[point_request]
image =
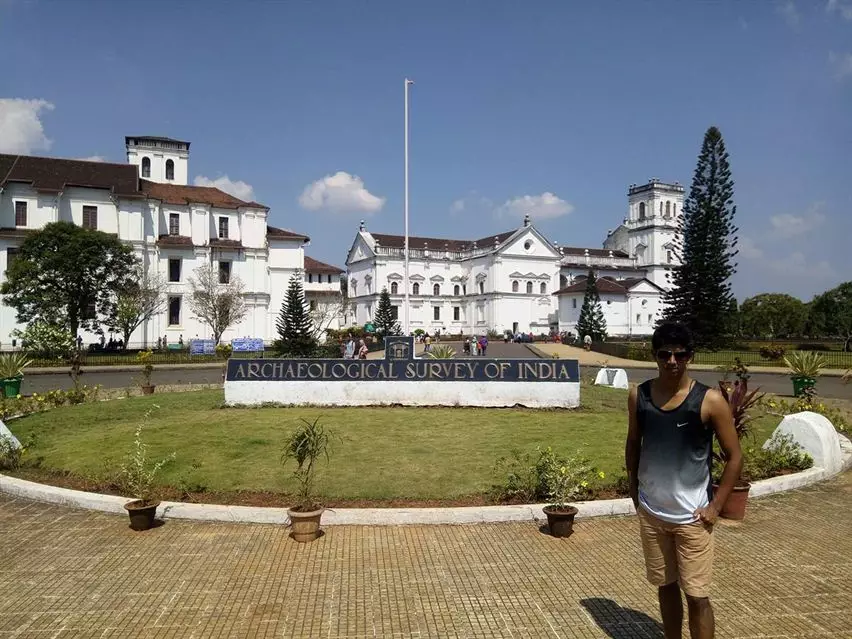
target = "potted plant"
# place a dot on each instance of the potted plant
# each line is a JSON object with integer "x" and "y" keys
{"x": 137, "y": 475}
{"x": 741, "y": 401}
{"x": 306, "y": 445}
{"x": 804, "y": 367}
{"x": 12, "y": 367}
{"x": 565, "y": 480}
{"x": 145, "y": 359}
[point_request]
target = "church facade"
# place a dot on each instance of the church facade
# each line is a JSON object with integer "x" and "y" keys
{"x": 520, "y": 280}
{"x": 173, "y": 228}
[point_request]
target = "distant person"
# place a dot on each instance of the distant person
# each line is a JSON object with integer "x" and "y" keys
{"x": 466, "y": 346}
{"x": 349, "y": 350}
{"x": 483, "y": 345}
{"x": 587, "y": 342}
{"x": 362, "y": 350}
{"x": 669, "y": 452}
{"x": 428, "y": 341}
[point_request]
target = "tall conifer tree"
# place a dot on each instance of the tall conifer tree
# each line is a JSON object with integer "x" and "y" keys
{"x": 592, "y": 321}
{"x": 294, "y": 324}
{"x": 384, "y": 321}
{"x": 706, "y": 243}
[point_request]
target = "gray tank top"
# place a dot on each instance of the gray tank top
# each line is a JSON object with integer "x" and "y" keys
{"x": 675, "y": 457}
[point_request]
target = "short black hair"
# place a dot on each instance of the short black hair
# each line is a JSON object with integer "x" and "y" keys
{"x": 672, "y": 333}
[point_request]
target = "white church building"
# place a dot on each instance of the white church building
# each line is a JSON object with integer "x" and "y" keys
{"x": 520, "y": 280}
{"x": 172, "y": 227}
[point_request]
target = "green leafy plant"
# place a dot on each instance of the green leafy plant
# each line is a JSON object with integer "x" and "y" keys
{"x": 441, "y": 351}
{"x": 137, "y": 472}
{"x": 805, "y": 363}
{"x": 145, "y": 359}
{"x": 567, "y": 479}
{"x": 12, "y": 365}
{"x": 772, "y": 352}
{"x": 11, "y": 455}
{"x": 224, "y": 351}
{"x": 741, "y": 402}
{"x": 305, "y": 446}
{"x": 43, "y": 339}
{"x": 779, "y": 456}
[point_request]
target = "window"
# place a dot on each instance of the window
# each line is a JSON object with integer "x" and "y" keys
{"x": 514, "y": 286}
{"x": 574, "y": 303}
{"x": 527, "y": 245}
{"x": 481, "y": 288}
{"x": 310, "y": 278}
{"x": 146, "y": 167}
{"x": 313, "y": 305}
{"x": 669, "y": 256}
{"x": 464, "y": 289}
{"x": 543, "y": 288}
{"x": 456, "y": 289}
{"x": 674, "y": 209}
{"x": 529, "y": 287}
{"x": 415, "y": 290}
{"x": 224, "y": 272}
{"x": 394, "y": 288}
{"x": 641, "y": 210}
{"x": 20, "y": 213}
{"x": 174, "y": 311}
{"x": 638, "y": 318}
{"x": 661, "y": 207}
{"x": 395, "y": 312}
{"x": 90, "y": 217}
{"x": 650, "y": 318}
{"x": 436, "y": 312}
{"x": 170, "y": 170}
{"x": 174, "y": 223}
{"x": 223, "y": 228}
{"x": 436, "y": 290}
{"x": 174, "y": 269}
{"x": 668, "y": 209}
{"x": 11, "y": 256}
{"x": 456, "y": 313}
{"x": 329, "y": 278}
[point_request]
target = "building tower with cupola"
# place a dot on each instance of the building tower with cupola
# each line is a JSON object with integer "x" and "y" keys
{"x": 163, "y": 160}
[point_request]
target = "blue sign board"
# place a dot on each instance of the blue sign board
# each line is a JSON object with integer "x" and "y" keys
{"x": 400, "y": 364}
{"x": 202, "y": 347}
{"x": 247, "y": 344}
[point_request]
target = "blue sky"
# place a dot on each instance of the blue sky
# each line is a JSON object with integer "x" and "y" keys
{"x": 551, "y": 107}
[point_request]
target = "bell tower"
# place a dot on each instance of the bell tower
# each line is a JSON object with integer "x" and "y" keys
{"x": 159, "y": 159}
{"x": 654, "y": 210}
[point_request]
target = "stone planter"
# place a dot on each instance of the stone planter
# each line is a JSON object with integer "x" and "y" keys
{"x": 305, "y": 525}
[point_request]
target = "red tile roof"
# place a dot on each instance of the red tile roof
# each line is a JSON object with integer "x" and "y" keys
{"x": 183, "y": 195}
{"x": 217, "y": 242}
{"x": 55, "y": 174}
{"x": 274, "y": 232}
{"x": 315, "y": 266}
{"x": 437, "y": 244}
{"x": 605, "y": 285}
{"x": 573, "y": 250}
{"x": 174, "y": 240}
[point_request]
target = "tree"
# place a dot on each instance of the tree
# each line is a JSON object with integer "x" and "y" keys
{"x": 46, "y": 340}
{"x": 773, "y": 315}
{"x": 218, "y": 305}
{"x": 142, "y": 299}
{"x": 831, "y": 314}
{"x": 323, "y": 312}
{"x": 700, "y": 296}
{"x": 384, "y": 321}
{"x": 592, "y": 321}
{"x": 66, "y": 275}
{"x": 295, "y": 334}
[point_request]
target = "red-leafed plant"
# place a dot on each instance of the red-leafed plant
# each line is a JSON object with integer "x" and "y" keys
{"x": 741, "y": 401}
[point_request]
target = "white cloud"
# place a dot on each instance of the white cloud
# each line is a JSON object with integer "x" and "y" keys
{"x": 786, "y": 225}
{"x": 472, "y": 203}
{"x": 340, "y": 193}
{"x": 842, "y": 9}
{"x": 748, "y": 249}
{"x": 21, "y": 129}
{"x": 540, "y": 207}
{"x": 94, "y": 158}
{"x": 237, "y": 188}
{"x": 842, "y": 63}
{"x": 789, "y": 12}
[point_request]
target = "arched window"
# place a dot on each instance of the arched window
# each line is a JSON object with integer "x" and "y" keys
{"x": 668, "y": 209}
{"x": 481, "y": 288}
{"x": 529, "y": 287}
{"x": 661, "y": 207}
{"x": 146, "y": 167}
{"x": 394, "y": 288}
{"x": 436, "y": 289}
{"x": 456, "y": 289}
{"x": 514, "y": 286}
{"x": 170, "y": 169}
{"x": 641, "y": 210}
{"x": 415, "y": 290}
{"x": 563, "y": 281}
{"x": 674, "y": 209}
{"x": 543, "y": 288}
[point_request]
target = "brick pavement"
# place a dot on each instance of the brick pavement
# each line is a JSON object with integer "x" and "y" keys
{"x": 786, "y": 572}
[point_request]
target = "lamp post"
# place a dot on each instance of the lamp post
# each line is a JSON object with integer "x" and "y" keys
{"x": 407, "y": 316}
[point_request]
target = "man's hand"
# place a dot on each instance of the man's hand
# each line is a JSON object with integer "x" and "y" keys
{"x": 708, "y": 514}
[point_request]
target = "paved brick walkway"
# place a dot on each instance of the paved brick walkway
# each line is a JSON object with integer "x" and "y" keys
{"x": 787, "y": 572}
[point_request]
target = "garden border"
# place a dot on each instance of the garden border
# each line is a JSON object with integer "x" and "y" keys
{"x": 381, "y": 516}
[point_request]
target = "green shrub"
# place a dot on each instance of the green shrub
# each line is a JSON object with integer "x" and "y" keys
{"x": 781, "y": 455}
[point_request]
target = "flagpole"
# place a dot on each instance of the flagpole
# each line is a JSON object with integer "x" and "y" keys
{"x": 407, "y": 316}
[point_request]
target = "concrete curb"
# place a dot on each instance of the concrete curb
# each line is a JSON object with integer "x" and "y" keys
{"x": 381, "y": 516}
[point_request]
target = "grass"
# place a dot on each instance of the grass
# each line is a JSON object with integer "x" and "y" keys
{"x": 380, "y": 453}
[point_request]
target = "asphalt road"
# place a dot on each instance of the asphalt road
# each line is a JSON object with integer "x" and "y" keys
{"x": 772, "y": 383}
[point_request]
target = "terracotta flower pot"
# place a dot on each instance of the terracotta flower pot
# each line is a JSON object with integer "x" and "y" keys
{"x": 305, "y": 525}
{"x": 735, "y": 506}
{"x": 148, "y": 389}
{"x": 560, "y": 522}
{"x": 141, "y": 513}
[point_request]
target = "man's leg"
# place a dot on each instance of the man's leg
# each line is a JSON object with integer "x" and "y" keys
{"x": 671, "y": 610}
{"x": 702, "y": 624}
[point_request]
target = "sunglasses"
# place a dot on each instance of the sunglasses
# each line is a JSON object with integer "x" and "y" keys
{"x": 680, "y": 356}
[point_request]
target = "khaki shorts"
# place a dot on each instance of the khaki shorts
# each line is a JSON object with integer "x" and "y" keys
{"x": 680, "y": 553}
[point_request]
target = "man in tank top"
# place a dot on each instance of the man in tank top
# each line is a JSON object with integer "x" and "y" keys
{"x": 673, "y": 419}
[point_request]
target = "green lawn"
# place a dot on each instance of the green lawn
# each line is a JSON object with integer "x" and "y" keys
{"x": 381, "y": 453}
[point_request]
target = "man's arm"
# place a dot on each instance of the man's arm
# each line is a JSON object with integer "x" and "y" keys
{"x": 723, "y": 424}
{"x": 632, "y": 448}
